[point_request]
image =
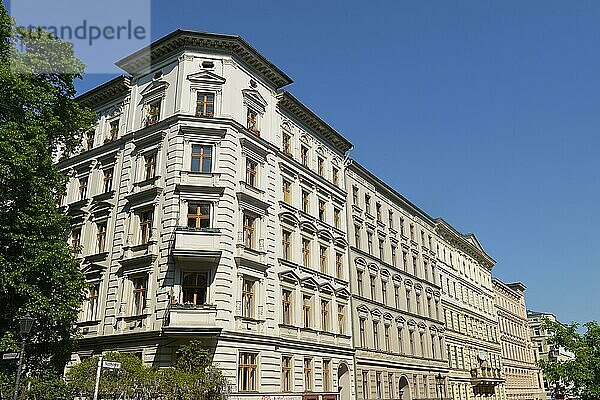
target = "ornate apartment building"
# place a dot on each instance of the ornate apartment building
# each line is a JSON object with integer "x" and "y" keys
{"x": 519, "y": 357}
{"x": 208, "y": 203}
{"x": 397, "y": 317}
{"x": 472, "y": 337}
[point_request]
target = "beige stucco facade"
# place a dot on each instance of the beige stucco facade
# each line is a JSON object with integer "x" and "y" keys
{"x": 523, "y": 377}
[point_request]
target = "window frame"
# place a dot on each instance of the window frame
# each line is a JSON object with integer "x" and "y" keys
{"x": 202, "y": 156}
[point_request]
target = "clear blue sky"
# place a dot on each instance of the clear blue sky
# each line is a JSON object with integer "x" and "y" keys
{"x": 484, "y": 113}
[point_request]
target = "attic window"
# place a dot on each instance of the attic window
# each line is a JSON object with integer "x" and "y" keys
{"x": 208, "y": 64}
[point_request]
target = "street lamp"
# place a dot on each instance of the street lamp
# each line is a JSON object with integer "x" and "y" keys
{"x": 439, "y": 383}
{"x": 25, "y": 324}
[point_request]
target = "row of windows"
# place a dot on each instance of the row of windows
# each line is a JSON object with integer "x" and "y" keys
{"x": 410, "y": 265}
{"x": 307, "y": 160}
{"x": 520, "y": 330}
{"x": 326, "y": 213}
{"x": 373, "y": 386}
{"x": 289, "y": 240}
{"x": 398, "y": 339}
{"x": 459, "y": 291}
{"x": 470, "y": 326}
{"x": 465, "y": 357}
{"x": 290, "y": 311}
{"x": 137, "y": 298}
{"x": 409, "y": 300}
{"x": 513, "y": 351}
{"x": 249, "y": 366}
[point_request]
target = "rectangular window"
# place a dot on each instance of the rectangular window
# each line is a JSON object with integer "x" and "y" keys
{"x": 397, "y": 296}
{"x": 306, "y": 310}
{"x": 391, "y": 385}
{"x": 323, "y": 250}
{"x": 361, "y": 327}
{"x": 412, "y": 232}
{"x": 140, "y": 286}
{"x": 365, "y": 384}
{"x": 91, "y": 307}
{"x": 286, "y": 244}
{"x": 401, "y": 226}
{"x": 336, "y": 176}
{"x": 252, "y": 121}
{"x": 198, "y": 215}
{"x": 201, "y": 158}
{"x": 286, "y": 305}
{"x": 304, "y": 155}
{"x": 287, "y": 146}
{"x": 381, "y": 250}
{"x": 287, "y": 191}
{"x": 150, "y": 165}
{"x": 391, "y": 219}
{"x": 308, "y": 375}
{"x": 339, "y": 265}
{"x": 108, "y": 180}
{"x": 373, "y": 288}
{"x": 194, "y": 288}
{"x": 101, "y": 237}
{"x": 89, "y": 139}
{"x": 341, "y": 319}
{"x": 76, "y": 240}
{"x": 249, "y": 231}
{"x": 83, "y": 184}
{"x": 376, "y": 335}
{"x": 322, "y": 210}
{"x": 306, "y": 252}
{"x": 367, "y": 204}
{"x": 359, "y": 282}
{"x": 354, "y": 195}
{"x": 383, "y": 291}
{"x": 113, "y": 130}
{"x": 394, "y": 255}
{"x": 324, "y": 315}
{"x": 400, "y": 341}
{"x": 388, "y": 345}
{"x": 320, "y": 166}
{"x": 251, "y": 172}
{"x": 357, "y": 236}
{"x": 248, "y": 299}
{"x": 378, "y": 211}
{"x": 378, "y": 384}
{"x": 305, "y": 201}
{"x": 327, "y": 375}
{"x": 146, "y": 226}
{"x": 411, "y": 338}
{"x": 286, "y": 374}
{"x": 405, "y": 261}
{"x": 205, "y": 105}
{"x": 153, "y": 113}
{"x": 337, "y": 218}
{"x": 408, "y": 307}
{"x": 247, "y": 373}
{"x": 370, "y": 242}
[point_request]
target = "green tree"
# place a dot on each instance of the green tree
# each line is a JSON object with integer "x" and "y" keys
{"x": 38, "y": 117}
{"x": 581, "y": 375}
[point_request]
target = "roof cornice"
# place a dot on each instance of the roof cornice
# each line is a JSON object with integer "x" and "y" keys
{"x": 461, "y": 240}
{"x": 186, "y": 39}
{"x": 292, "y": 105}
{"x": 107, "y": 91}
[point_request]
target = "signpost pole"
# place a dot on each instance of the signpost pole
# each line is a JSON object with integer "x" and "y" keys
{"x": 98, "y": 378}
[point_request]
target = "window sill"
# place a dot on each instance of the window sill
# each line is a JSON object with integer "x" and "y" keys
{"x": 199, "y": 230}
{"x": 199, "y": 307}
{"x": 148, "y": 181}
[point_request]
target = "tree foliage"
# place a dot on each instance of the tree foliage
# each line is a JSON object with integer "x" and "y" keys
{"x": 193, "y": 378}
{"x": 581, "y": 375}
{"x": 38, "y": 272}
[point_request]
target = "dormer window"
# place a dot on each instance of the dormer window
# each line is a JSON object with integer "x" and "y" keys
{"x": 205, "y": 105}
{"x": 153, "y": 113}
{"x": 252, "y": 121}
{"x": 113, "y": 132}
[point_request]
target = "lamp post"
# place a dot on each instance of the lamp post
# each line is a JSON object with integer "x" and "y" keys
{"x": 439, "y": 383}
{"x": 25, "y": 324}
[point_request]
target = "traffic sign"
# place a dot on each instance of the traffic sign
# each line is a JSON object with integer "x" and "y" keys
{"x": 10, "y": 356}
{"x": 111, "y": 364}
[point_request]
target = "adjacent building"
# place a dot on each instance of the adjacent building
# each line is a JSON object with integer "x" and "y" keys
{"x": 397, "y": 317}
{"x": 472, "y": 337}
{"x": 210, "y": 203}
{"x": 545, "y": 350}
{"x": 519, "y": 358}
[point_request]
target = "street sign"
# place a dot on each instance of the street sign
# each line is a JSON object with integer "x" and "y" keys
{"x": 111, "y": 364}
{"x": 10, "y": 356}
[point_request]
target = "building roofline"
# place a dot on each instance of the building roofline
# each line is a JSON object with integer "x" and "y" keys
{"x": 182, "y": 38}
{"x": 463, "y": 239}
{"x": 288, "y": 102}
{"x": 393, "y": 192}
{"x": 105, "y": 92}
{"x": 517, "y": 288}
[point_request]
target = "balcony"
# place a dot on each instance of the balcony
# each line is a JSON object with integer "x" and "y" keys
{"x": 191, "y": 318}
{"x": 486, "y": 377}
{"x": 200, "y": 244}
